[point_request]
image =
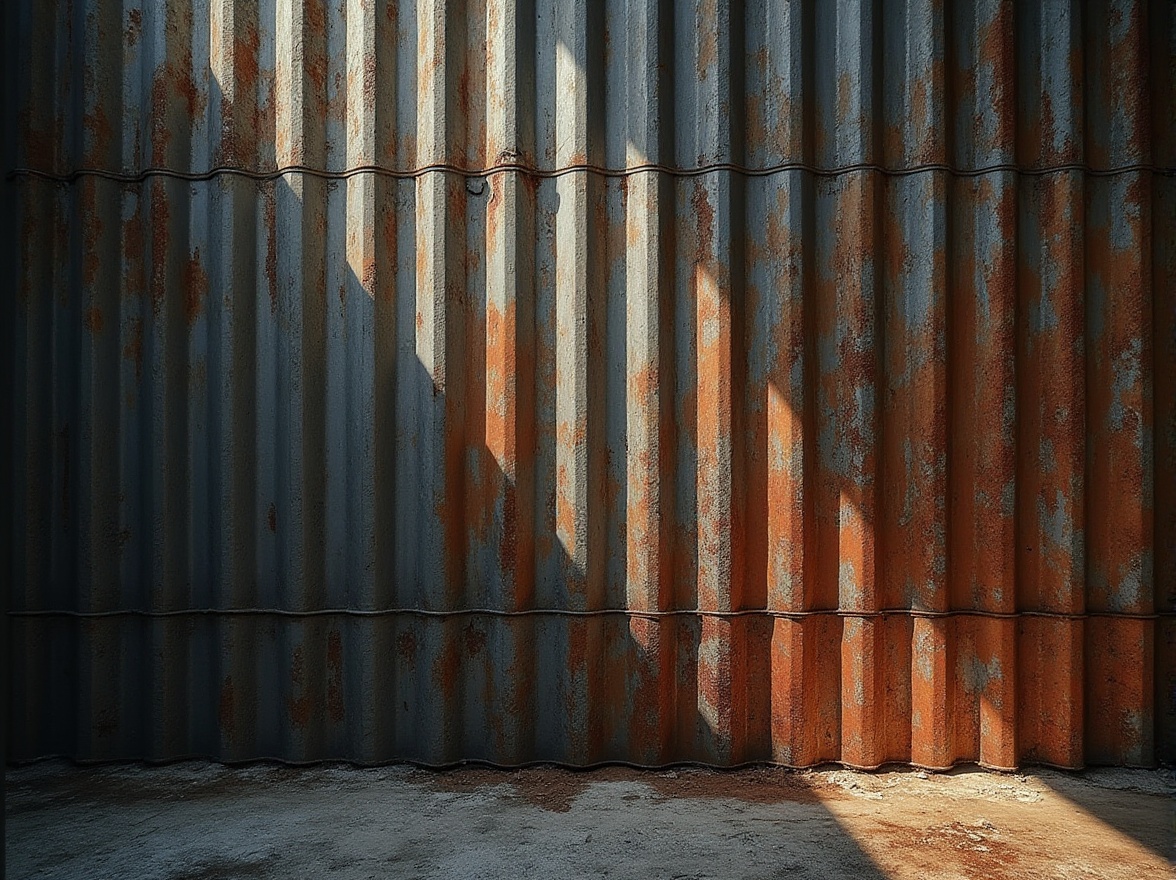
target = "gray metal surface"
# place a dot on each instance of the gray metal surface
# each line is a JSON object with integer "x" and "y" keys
{"x": 828, "y": 349}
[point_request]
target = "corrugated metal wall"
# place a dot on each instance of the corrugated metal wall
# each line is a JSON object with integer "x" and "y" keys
{"x": 577, "y": 381}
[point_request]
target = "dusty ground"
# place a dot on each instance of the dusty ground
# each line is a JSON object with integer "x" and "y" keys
{"x": 198, "y": 820}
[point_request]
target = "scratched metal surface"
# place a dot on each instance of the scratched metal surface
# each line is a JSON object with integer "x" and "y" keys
{"x": 630, "y": 380}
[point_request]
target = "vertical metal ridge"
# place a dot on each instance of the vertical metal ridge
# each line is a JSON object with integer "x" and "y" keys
{"x": 650, "y": 486}
{"x": 1115, "y": 72}
{"x": 302, "y": 52}
{"x": 1119, "y": 418}
{"x": 95, "y": 428}
{"x": 439, "y": 572}
{"x": 500, "y": 514}
{"x": 1162, "y": 48}
{"x": 848, "y": 336}
{"x": 1051, "y": 401}
{"x": 983, "y": 391}
{"x": 1050, "y": 66}
{"x": 579, "y": 351}
{"x": 981, "y": 344}
{"x": 714, "y": 255}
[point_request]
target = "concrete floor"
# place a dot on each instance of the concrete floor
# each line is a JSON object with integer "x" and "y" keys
{"x": 197, "y": 820}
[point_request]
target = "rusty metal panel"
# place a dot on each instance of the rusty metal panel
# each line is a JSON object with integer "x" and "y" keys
{"x": 576, "y": 381}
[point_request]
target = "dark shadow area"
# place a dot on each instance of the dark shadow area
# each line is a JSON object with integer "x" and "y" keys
{"x": 1139, "y": 804}
{"x": 196, "y": 820}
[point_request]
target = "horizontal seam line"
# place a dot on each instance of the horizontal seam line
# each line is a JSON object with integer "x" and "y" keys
{"x": 565, "y": 612}
{"x": 467, "y": 763}
{"x": 140, "y": 176}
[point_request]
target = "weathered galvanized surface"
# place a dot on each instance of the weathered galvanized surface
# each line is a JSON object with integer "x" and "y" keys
{"x": 560, "y": 380}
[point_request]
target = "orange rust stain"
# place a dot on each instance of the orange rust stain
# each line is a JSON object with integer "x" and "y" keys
{"x": 98, "y": 126}
{"x": 172, "y": 82}
{"x": 422, "y": 261}
{"x": 1050, "y": 690}
{"x": 704, "y": 213}
{"x": 241, "y": 114}
{"x": 500, "y": 368}
{"x": 195, "y": 288}
{"x": 708, "y": 46}
{"x": 1052, "y": 408}
{"x": 494, "y": 209}
{"x": 632, "y": 226}
{"x": 369, "y": 80}
{"x": 160, "y": 221}
{"x": 194, "y": 98}
{"x": 565, "y": 510}
{"x": 368, "y": 276}
{"x": 1118, "y": 408}
{"x": 227, "y": 711}
{"x": 93, "y": 319}
{"x": 844, "y": 93}
{"x": 778, "y": 132}
{"x": 912, "y": 523}
{"x": 777, "y": 486}
{"x": 926, "y": 137}
{"x": 1117, "y": 729}
{"x": 315, "y": 59}
{"x": 982, "y": 553}
{"x": 471, "y": 95}
{"x": 245, "y": 48}
{"x": 577, "y": 665}
{"x": 997, "y": 49}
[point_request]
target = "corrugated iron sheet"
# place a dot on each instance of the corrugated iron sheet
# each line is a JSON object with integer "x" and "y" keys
{"x": 579, "y": 381}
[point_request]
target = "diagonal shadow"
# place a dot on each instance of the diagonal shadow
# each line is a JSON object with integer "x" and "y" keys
{"x": 511, "y": 690}
{"x": 1139, "y": 805}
